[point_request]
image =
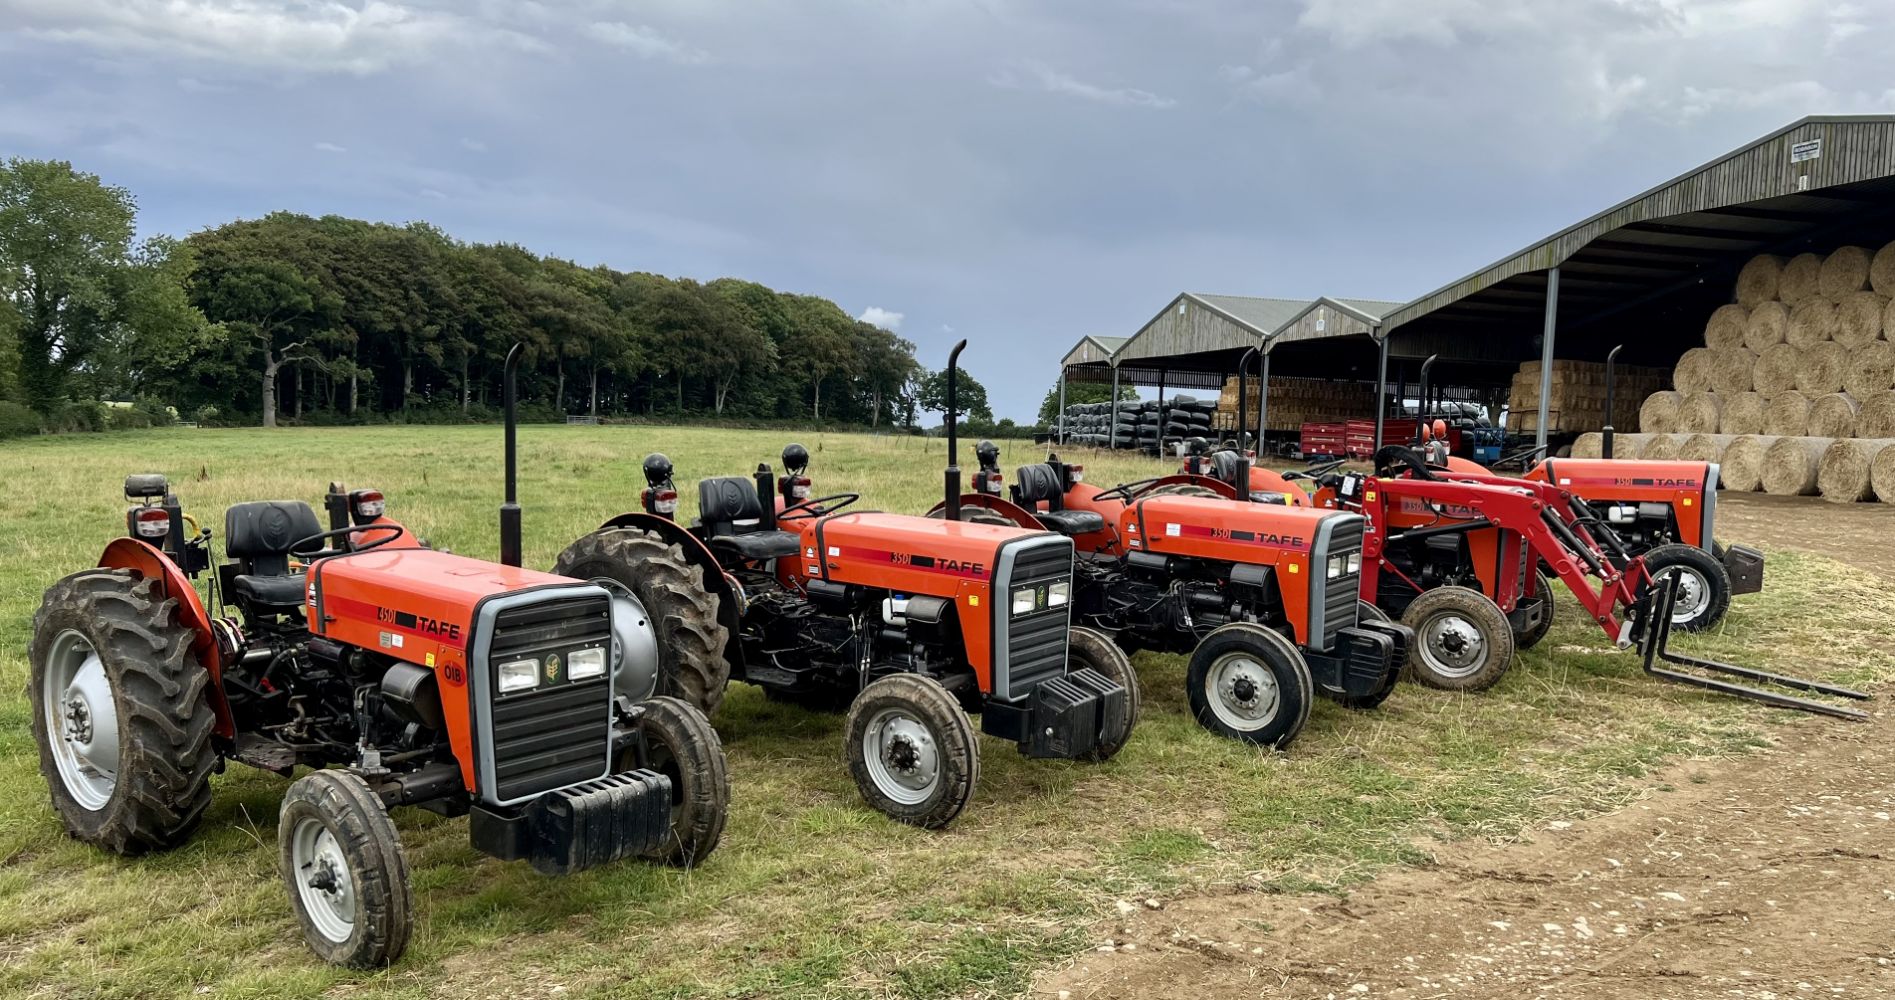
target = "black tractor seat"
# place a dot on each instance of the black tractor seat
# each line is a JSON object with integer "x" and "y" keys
{"x": 732, "y": 518}
{"x": 259, "y": 536}
{"x": 1036, "y": 484}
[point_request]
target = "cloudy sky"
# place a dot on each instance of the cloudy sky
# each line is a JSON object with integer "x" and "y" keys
{"x": 1020, "y": 173}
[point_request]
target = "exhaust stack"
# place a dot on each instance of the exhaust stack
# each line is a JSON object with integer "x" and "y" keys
{"x": 953, "y": 510}
{"x": 510, "y": 510}
{"x": 1421, "y": 419}
{"x": 1605, "y": 439}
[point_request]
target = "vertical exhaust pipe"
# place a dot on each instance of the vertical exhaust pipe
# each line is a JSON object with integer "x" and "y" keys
{"x": 1421, "y": 419}
{"x": 1605, "y": 437}
{"x": 953, "y": 498}
{"x": 510, "y": 510}
{"x": 1243, "y": 403}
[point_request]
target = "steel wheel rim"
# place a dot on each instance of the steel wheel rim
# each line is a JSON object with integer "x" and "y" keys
{"x": 82, "y": 720}
{"x": 324, "y": 883}
{"x": 903, "y": 756}
{"x": 1694, "y": 594}
{"x": 1242, "y": 691}
{"x": 1452, "y": 645}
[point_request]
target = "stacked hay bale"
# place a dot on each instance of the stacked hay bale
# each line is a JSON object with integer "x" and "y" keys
{"x": 1794, "y": 389}
{"x": 1296, "y": 401}
{"x": 1577, "y": 402}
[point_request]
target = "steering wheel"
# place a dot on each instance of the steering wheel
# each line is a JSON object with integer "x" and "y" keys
{"x": 805, "y": 507}
{"x": 394, "y": 531}
{"x": 1124, "y": 491}
{"x": 1314, "y": 472}
{"x": 1400, "y": 455}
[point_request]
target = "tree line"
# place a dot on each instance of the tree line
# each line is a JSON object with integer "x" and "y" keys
{"x": 290, "y": 318}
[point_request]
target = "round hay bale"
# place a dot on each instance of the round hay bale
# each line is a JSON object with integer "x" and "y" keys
{"x": 1742, "y": 468}
{"x": 1660, "y": 447}
{"x": 1875, "y": 415}
{"x": 1882, "y": 475}
{"x": 1882, "y": 271}
{"x": 1659, "y": 414}
{"x": 1693, "y": 373}
{"x": 1869, "y": 369}
{"x": 1790, "y": 465}
{"x": 1832, "y": 415}
{"x": 1813, "y": 321}
{"x": 1859, "y": 318}
{"x": 1787, "y": 415}
{"x": 1705, "y": 447}
{"x": 1768, "y": 324}
{"x": 1799, "y": 279}
{"x": 1757, "y": 282}
{"x": 1819, "y": 368}
{"x": 1700, "y": 412}
{"x": 1731, "y": 370}
{"x": 1775, "y": 373}
{"x": 1845, "y": 474}
{"x": 1726, "y": 326}
{"x": 1743, "y": 414}
{"x": 1591, "y": 443}
{"x": 1845, "y": 271}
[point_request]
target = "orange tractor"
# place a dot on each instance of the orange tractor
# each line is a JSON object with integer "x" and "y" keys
{"x": 908, "y": 621}
{"x": 402, "y": 675}
{"x": 1262, "y": 596}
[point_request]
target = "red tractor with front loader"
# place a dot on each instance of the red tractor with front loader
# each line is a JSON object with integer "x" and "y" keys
{"x": 908, "y": 621}
{"x": 401, "y": 675}
{"x": 1435, "y": 531}
{"x": 1262, "y": 596}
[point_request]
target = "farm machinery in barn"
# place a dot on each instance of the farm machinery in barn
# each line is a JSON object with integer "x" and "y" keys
{"x": 1262, "y": 596}
{"x": 401, "y": 674}
{"x": 908, "y": 621}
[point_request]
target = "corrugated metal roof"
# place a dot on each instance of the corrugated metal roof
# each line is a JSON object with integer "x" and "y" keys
{"x": 1749, "y": 200}
{"x": 1093, "y": 351}
{"x": 1262, "y": 316}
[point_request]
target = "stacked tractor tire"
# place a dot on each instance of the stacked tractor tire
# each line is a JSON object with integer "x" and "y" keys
{"x": 1140, "y": 424}
{"x": 1793, "y": 391}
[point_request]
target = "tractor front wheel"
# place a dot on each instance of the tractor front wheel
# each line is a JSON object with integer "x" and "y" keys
{"x": 681, "y": 745}
{"x": 1704, "y": 585}
{"x": 348, "y": 879}
{"x": 121, "y": 712}
{"x": 1248, "y": 683}
{"x": 912, "y": 750}
{"x": 1462, "y": 640}
{"x": 1091, "y": 648}
{"x": 683, "y": 608}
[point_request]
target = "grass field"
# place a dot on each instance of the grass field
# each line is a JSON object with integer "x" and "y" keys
{"x": 812, "y": 894}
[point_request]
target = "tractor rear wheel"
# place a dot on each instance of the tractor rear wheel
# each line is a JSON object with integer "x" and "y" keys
{"x": 121, "y": 712}
{"x": 348, "y": 878}
{"x": 1248, "y": 683}
{"x": 1529, "y": 638}
{"x": 1704, "y": 585}
{"x": 1462, "y": 640}
{"x": 1091, "y": 648}
{"x": 977, "y": 515}
{"x": 912, "y": 751}
{"x": 691, "y": 641}
{"x": 681, "y": 745}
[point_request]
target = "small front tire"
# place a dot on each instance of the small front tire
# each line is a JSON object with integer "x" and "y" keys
{"x": 681, "y": 745}
{"x": 342, "y": 862}
{"x": 1704, "y": 585}
{"x": 912, "y": 751}
{"x": 1246, "y": 682}
{"x": 1463, "y": 642}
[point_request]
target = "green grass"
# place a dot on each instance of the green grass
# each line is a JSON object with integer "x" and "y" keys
{"x": 812, "y": 894}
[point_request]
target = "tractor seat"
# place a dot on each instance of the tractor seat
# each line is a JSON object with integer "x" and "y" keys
{"x": 732, "y": 517}
{"x": 1036, "y": 483}
{"x": 260, "y": 535}
{"x": 1224, "y": 467}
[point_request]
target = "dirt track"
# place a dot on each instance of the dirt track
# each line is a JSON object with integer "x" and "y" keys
{"x": 1768, "y": 876}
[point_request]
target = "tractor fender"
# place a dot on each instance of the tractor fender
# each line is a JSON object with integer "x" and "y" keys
{"x": 1005, "y": 508}
{"x": 147, "y": 561}
{"x": 1212, "y": 483}
{"x": 1264, "y": 480}
{"x": 729, "y": 613}
{"x": 1458, "y": 464}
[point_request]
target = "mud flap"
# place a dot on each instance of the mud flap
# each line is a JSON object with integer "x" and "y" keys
{"x": 1745, "y": 566}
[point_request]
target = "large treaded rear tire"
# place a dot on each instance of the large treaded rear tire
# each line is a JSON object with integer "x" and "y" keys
{"x": 691, "y": 641}
{"x": 359, "y": 834}
{"x": 162, "y": 699}
{"x": 684, "y": 748}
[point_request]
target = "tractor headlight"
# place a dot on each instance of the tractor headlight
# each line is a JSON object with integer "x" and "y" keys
{"x": 1059, "y": 593}
{"x": 1355, "y": 564}
{"x": 585, "y": 664}
{"x": 1023, "y": 601}
{"x": 1336, "y": 564}
{"x": 519, "y": 675}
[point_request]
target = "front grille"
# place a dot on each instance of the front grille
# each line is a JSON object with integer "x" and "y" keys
{"x": 1338, "y": 606}
{"x": 1031, "y": 647}
{"x": 559, "y": 732}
